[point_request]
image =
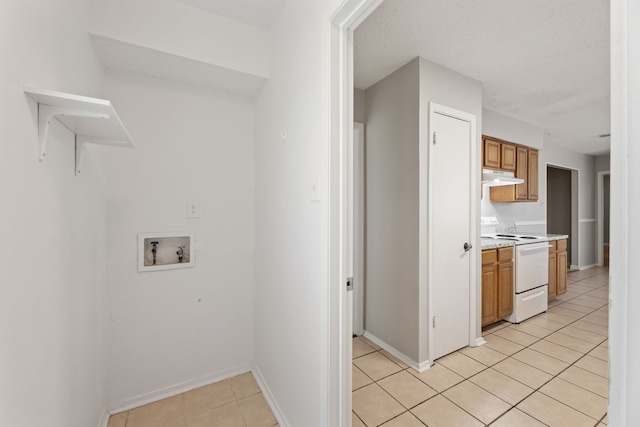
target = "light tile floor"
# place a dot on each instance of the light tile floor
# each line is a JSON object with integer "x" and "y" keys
{"x": 550, "y": 370}
{"x": 236, "y": 402}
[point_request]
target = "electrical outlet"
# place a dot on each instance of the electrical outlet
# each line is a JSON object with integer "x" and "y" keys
{"x": 193, "y": 209}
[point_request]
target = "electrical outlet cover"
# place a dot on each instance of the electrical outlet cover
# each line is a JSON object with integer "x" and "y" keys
{"x": 193, "y": 209}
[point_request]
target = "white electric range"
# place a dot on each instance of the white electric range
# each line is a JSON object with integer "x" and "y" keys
{"x": 531, "y": 271}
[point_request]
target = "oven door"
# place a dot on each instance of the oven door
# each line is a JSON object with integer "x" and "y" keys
{"x": 532, "y": 266}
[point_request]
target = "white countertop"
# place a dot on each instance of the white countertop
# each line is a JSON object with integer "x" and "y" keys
{"x": 501, "y": 243}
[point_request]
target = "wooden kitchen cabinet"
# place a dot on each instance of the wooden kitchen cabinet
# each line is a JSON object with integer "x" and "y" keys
{"x": 497, "y": 284}
{"x": 527, "y": 169}
{"x": 532, "y": 175}
{"x": 522, "y": 171}
{"x": 489, "y": 294}
{"x": 508, "y": 156}
{"x": 553, "y": 263}
{"x": 557, "y": 268}
{"x": 498, "y": 154}
{"x": 491, "y": 153}
{"x": 561, "y": 270}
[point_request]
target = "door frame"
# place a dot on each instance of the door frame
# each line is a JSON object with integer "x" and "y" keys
{"x": 428, "y": 245}
{"x": 342, "y": 23}
{"x": 575, "y": 209}
{"x": 600, "y": 214}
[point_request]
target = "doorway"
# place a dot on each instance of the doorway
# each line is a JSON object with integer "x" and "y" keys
{"x": 603, "y": 198}
{"x": 346, "y": 19}
{"x": 559, "y": 209}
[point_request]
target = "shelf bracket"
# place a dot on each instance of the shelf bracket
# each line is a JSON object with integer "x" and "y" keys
{"x": 47, "y": 112}
{"x": 80, "y": 143}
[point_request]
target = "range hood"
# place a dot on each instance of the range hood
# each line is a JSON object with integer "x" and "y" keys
{"x": 494, "y": 178}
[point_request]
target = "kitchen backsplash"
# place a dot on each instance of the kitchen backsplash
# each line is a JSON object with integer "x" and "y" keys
{"x": 513, "y": 217}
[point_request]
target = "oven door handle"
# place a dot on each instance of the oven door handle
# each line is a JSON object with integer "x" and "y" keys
{"x": 534, "y": 249}
{"x": 532, "y": 296}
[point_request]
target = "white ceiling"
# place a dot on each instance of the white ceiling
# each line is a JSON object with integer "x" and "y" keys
{"x": 258, "y": 13}
{"x": 545, "y": 61}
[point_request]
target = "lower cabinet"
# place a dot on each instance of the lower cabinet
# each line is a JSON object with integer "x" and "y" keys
{"x": 557, "y": 268}
{"x": 497, "y": 284}
{"x": 561, "y": 270}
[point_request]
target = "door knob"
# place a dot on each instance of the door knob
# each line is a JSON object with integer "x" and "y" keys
{"x": 467, "y": 247}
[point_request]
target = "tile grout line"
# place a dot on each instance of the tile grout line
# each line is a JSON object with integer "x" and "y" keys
{"x": 486, "y": 367}
{"x": 538, "y": 389}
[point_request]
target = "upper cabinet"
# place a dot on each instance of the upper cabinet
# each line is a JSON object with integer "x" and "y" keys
{"x": 498, "y": 154}
{"x": 532, "y": 177}
{"x": 521, "y": 160}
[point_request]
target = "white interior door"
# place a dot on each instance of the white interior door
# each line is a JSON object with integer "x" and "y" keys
{"x": 450, "y": 216}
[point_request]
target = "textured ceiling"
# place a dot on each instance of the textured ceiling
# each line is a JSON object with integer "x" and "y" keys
{"x": 545, "y": 61}
{"x": 258, "y": 13}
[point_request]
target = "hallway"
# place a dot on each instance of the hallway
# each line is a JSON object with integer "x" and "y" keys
{"x": 548, "y": 370}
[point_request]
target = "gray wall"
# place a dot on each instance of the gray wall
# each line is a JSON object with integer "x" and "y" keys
{"x": 504, "y": 127}
{"x": 391, "y": 267}
{"x": 603, "y": 163}
{"x": 605, "y": 217}
{"x": 359, "y": 107}
{"x": 397, "y": 110}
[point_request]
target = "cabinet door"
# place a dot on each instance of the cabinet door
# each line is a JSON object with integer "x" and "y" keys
{"x": 489, "y": 297}
{"x": 553, "y": 271}
{"x": 508, "y": 157}
{"x": 491, "y": 154}
{"x": 532, "y": 180}
{"x": 561, "y": 275}
{"x": 522, "y": 165}
{"x": 505, "y": 289}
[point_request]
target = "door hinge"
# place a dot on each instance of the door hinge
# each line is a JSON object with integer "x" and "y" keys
{"x": 349, "y": 284}
{"x": 434, "y": 321}
{"x": 434, "y": 138}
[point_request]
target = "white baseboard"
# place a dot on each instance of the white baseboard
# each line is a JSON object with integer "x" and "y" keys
{"x": 422, "y": 366}
{"x": 586, "y": 267}
{"x": 573, "y": 267}
{"x": 163, "y": 393}
{"x": 266, "y": 392}
{"x": 104, "y": 419}
{"x": 480, "y": 341}
{"x": 418, "y": 366}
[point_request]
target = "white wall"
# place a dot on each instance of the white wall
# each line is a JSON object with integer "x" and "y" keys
{"x": 179, "y": 29}
{"x": 53, "y": 227}
{"x": 178, "y": 328}
{"x": 291, "y": 278}
{"x": 624, "y": 340}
